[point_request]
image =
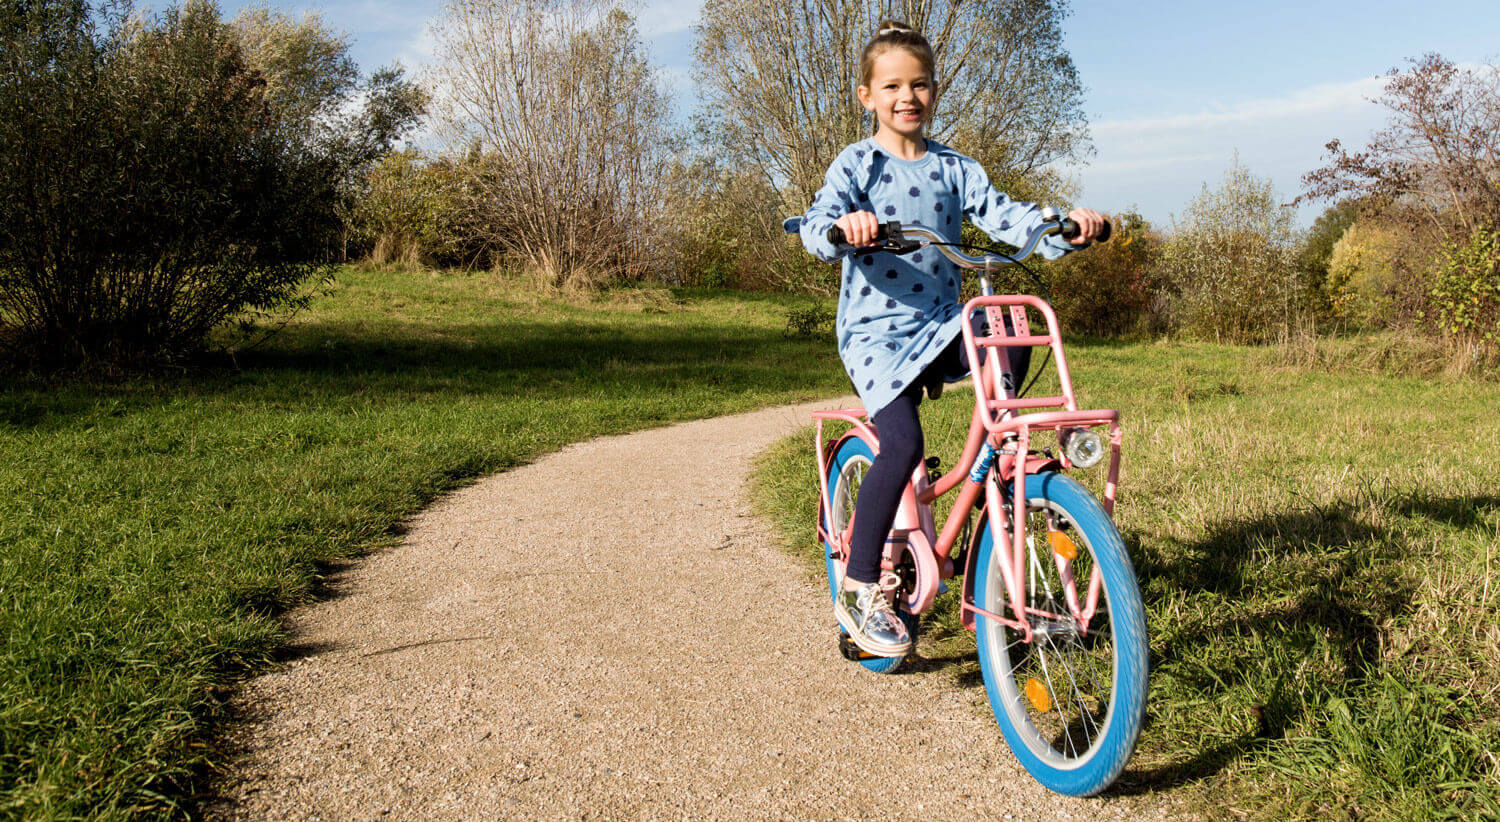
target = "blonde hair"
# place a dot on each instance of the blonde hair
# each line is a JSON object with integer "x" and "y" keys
{"x": 893, "y": 34}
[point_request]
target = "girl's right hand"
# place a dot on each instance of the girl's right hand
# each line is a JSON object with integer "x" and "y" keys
{"x": 860, "y": 228}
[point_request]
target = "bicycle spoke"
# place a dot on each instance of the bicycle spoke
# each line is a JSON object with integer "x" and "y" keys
{"x": 1074, "y": 662}
{"x": 1056, "y": 703}
{"x": 1084, "y": 713}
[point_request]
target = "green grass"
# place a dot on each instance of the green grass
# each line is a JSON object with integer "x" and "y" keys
{"x": 1317, "y": 549}
{"x": 151, "y": 530}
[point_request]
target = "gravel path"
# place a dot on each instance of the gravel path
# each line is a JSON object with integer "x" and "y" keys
{"x": 609, "y": 633}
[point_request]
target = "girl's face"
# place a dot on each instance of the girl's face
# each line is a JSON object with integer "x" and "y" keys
{"x": 900, "y": 93}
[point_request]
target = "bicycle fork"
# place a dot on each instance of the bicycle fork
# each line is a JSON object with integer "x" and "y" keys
{"x": 989, "y": 469}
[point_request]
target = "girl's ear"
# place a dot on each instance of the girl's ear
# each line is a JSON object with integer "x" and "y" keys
{"x": 864, "y": 98}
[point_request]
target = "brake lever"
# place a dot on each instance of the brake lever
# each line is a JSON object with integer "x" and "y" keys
{"x": 896, "y": 242}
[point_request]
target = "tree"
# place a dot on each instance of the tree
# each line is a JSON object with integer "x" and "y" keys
{"x": 307, "y": 69}
{"x": 1364, "y": 271}
{"x": 149, "y": 190}
{"x": 310, "y": 79}
{"x": 561, "y": 95}
{"x": 777, "y": 81}
{"x": 1439, "y": 152}
{"x": 1317, "y": 249}
{"x": 1229, "y": 265}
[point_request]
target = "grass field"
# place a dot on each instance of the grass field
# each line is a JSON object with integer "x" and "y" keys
{"x": 1318, "y": 554}
{"x": 151, "y": 530}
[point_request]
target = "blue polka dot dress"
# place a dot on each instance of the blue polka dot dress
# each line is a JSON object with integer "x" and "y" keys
{"x": 897, "y": 313}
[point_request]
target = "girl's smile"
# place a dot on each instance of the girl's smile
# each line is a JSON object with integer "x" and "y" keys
{"x": 900, "y": 95}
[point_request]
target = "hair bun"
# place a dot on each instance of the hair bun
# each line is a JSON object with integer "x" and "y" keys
{"x": 889, "y": 27}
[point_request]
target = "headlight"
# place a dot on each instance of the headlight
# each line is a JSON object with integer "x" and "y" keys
{"x": 1083, "y": 447}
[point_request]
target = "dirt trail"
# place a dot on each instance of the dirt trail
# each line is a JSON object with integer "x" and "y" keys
{"x": 609, "y": 633}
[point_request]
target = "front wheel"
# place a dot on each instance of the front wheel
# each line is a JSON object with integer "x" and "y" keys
{"x": 1071, "y": 701}
{"x": 846, "y": 472}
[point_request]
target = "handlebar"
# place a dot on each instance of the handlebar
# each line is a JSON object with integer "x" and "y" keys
{"x": 904, "y": 239}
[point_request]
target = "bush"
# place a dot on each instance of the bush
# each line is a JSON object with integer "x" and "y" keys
{"x": 726, "y": 232}
{"x": 1108, "y": 291}
{"x": 1315, "y": 253}
{"x": 1465, "y": 296}
{"x": 810, "y": 321}
{"x": 145, "y": 194}
{"x": 419, "y": 212}
{"x": 154, "y": 183}
{"x": 1229, "y": 270}
{"x": 1363, "y": 273}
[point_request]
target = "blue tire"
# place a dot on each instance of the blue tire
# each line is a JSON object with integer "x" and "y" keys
{"x": 845, "y": 471}
{"x": 1071, "y": 702}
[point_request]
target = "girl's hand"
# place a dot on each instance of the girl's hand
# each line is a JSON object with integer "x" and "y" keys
{"x": 860, "y": 228}
{"x": 1090, "y": 223}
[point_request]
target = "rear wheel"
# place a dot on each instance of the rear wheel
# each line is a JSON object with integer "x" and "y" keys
{"x": 1071, "y": 701}
{"x": 846, "y": 471}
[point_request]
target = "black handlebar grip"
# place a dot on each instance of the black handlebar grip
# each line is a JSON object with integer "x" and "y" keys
{"x": 1070, "y": 230}
{"x": 882, "y": 233}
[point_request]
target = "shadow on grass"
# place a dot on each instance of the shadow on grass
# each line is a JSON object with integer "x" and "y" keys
{"x": 324, "y": 364}
{"x": 1288, "y": 606}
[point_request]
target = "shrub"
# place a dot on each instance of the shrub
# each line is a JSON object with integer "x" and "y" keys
{"x": 1363, "y": 273}
{"x": 1466, "y": 292}
{"x": 726, "y": 232}
{"x": 1229, "y": 269}
{"x": 417, "y": 212}
{"x": 152, "y": 185}
{"x": 1108, "y": 290}
{"x": 144, "y": 195}
{"x": 810, "y": 321}
{"x": 1316, "y": 251}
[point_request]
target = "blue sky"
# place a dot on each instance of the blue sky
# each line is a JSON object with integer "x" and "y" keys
{"x": 1174, "y": 89}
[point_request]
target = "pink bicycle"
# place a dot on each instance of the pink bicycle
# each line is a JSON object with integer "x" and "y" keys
{"x": 1048, "y": 586}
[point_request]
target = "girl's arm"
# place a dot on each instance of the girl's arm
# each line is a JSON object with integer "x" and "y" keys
{"x": 834, "y": 200}
{"x": 1005, "y": 220}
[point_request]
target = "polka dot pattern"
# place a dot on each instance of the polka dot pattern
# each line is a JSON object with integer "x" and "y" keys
{"x": 898, "y": 312}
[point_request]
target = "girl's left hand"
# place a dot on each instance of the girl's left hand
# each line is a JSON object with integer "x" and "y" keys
{"x": 1090, "y": 223}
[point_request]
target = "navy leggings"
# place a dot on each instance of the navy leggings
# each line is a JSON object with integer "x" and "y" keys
{"x": 901, "y": 449}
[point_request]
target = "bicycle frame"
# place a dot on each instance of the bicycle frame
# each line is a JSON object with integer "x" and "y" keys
{"x": 997, "y": 450}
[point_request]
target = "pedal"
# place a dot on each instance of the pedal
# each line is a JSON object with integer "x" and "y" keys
{"x": 933, "y": 474}
{"x": 850, "y": 651}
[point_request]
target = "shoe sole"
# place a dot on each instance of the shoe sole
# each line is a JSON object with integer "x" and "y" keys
{"x": 846, "y": 620}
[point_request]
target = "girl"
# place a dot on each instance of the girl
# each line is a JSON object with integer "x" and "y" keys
{"x": 898, "y": 319}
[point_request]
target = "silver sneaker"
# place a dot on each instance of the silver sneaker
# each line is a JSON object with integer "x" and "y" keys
{"x": 865, "y": 613}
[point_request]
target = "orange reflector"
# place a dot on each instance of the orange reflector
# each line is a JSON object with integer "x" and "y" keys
{"x": 1062, "y": 545}
{"x": 1037, "y": 693}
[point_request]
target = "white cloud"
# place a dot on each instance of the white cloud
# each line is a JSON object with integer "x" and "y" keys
{"x": 417, "y": 52}
{"x": 1160, "y": 163}
{"x": 659, "y": 17}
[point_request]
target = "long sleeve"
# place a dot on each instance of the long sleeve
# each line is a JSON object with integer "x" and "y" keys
{"x": 834, "y": 200}
{"x": 1004, "y": 219}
